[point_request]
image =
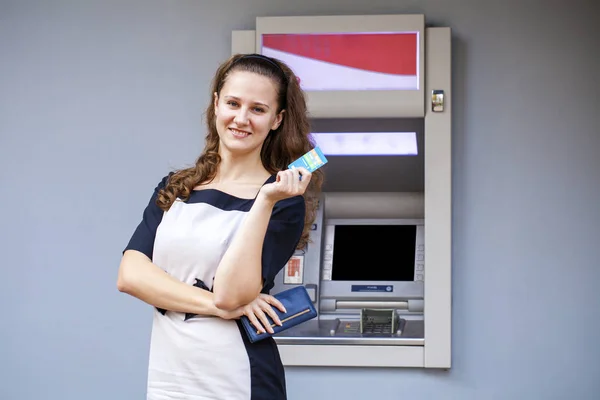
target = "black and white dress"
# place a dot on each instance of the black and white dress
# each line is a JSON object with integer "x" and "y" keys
{"x": 200, "y": 357}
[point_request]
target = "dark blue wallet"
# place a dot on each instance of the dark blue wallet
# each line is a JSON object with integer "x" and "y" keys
{"x": 299, "y": 309}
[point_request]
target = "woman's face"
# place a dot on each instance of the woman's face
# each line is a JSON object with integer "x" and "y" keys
{"x": 246, "y": 111}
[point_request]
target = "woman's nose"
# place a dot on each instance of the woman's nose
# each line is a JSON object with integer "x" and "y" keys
{"x": 241, "y": 117}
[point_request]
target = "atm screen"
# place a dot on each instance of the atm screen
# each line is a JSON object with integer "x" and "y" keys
{"x": 374, "y": 253}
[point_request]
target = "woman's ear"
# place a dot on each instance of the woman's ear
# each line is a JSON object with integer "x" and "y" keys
{"x": 278, "y": 120}
{"x": 216, "y": 102}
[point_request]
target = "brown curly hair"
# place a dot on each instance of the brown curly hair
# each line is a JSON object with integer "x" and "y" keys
{"x": 290, "y": 141}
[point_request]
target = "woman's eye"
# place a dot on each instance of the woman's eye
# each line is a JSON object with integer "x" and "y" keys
{"x": 232, "y": 103}
{"x": 259, "y": 110}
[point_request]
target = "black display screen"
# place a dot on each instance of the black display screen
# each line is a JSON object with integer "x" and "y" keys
{"x": 374, "y": 253}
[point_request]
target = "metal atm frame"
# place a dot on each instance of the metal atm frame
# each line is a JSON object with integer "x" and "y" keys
{"x": 434, "y": 350}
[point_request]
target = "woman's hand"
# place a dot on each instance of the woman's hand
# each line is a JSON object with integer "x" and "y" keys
{"x": 257, "y": 312}
{"x": 289, "y": 183}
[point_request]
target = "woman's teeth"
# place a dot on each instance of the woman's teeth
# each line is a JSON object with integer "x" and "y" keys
{"x": 237, "y": 133}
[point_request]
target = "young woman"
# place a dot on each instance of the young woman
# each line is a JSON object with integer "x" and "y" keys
{"x": 213, "y": 237}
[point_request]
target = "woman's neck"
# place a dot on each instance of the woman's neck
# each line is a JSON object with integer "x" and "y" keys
{"x": 240, "y": 168}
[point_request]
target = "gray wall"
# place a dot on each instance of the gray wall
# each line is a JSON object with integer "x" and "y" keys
{"x": 98, "y": 100}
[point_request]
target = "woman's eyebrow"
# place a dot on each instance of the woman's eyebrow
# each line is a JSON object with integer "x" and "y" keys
{"x": 238, "y": 99}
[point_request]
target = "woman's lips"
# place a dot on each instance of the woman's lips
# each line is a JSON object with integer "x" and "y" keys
{"x": 239, "y": 133}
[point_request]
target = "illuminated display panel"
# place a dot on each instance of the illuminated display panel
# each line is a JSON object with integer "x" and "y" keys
{"x": 356, "y": 66}
{"x": 367, "y": 143}
{"x": 349, "y": 61}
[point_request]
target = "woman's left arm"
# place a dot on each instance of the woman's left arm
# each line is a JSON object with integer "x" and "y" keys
{"x": 239, "y": 277}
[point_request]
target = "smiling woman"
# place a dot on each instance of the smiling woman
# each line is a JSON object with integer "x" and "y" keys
{"x": 246, "y": 111}
{"x": 213, "y": 237}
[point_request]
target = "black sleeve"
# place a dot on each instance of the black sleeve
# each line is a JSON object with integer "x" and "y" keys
{"x": 143, "y": 237}
{"x": 145, "y": 233}
{"x": 283, "y": 234}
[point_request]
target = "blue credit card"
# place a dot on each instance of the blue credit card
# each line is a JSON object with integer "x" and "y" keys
{"x": 312, "y": 161}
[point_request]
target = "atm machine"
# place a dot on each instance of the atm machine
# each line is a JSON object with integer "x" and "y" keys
{"x": 369, "y": 287}
{"x": 378, "y": 264}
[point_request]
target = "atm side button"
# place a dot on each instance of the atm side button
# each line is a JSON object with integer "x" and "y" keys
{"x": 312, "y": 294}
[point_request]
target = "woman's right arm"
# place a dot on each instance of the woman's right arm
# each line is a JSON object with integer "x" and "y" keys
{"x": 142, "y": 279}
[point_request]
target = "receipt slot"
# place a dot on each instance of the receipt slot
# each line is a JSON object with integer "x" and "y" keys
{"x": 378, "y": 264}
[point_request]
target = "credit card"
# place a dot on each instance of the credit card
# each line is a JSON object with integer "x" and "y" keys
{"x": 312, "y": 161}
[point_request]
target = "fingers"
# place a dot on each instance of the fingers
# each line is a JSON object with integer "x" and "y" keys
{"x": 285, "y": 183}
{"x": 258, "y": 318}
{"x": 274, "y": 302}
{"x": 270, "y": 301}
{"x": 252, "y": 318}
{"x": 258, "y": 311}
{"x": 293, "y": 181}
{"x": 289, "y": 183}
{"x": 283, "y": 179}
{"x": 306, "y": 175}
